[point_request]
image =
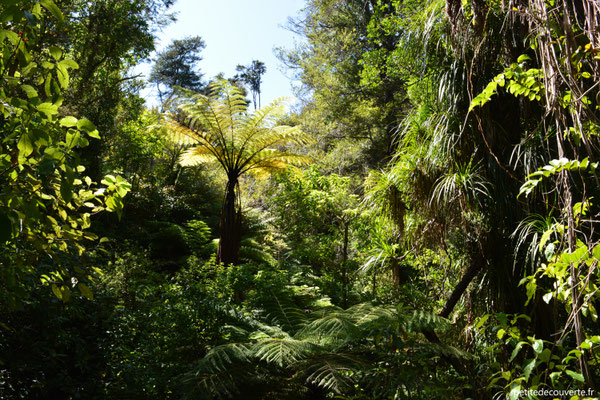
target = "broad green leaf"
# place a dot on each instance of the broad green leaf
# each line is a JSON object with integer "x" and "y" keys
{"x": 529, "y": 366}
{"x": 68, "y": 121}
{"x": 554, "y": 376}
{"x": 57, "y": 292}
{"x": 545, "y": 356}
{"x": 53, "y": 9}
{"x": 94, "y": 134}
{"x": 10, "y": 35}
{"x": 72, "y": 139}
{"x": 109, "y": 180}
{"x": 516, "y": 350}
{"x": 66, "y": 293}
{"x": 66, "y": 190}
{"x": 85, "y": 291}
{"x": 48, "y": 108}
{"x": 25, "y": 145}
{"x": 575, "y": 375}
{"x": 29, "y": 91}
{"x": 596, "y": 252}
{"x": 585, "y": 345}
{"x": 48, "y": 84}
{"x": 482, "y": 321}
{"x": 538, "y": 346}
{"x": 68, "y": 63}
{"x": 87, "y": 126}
{"x": 55, "y": 52}
{"x": 63, "y": 76}
{"x": 515, "y": 392}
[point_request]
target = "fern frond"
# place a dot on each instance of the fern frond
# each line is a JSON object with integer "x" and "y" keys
{"x": 252, "y": 251}
{"x": 219, "y": 358}
{"x": 271, "y": 160}
{"x": 222, "y": 128}
{"x": 285, "y": 314}
{"x": 179, "y": 133}
{"x": 205, "y": 382}
{"x": 333, "y": 328}
{"x": 196, "y": 155}
{"x": 421, "y": 321}
{"x": 283, "y": 352}
{"x": 366, "y": 315}
{"x": 331, "y": 371}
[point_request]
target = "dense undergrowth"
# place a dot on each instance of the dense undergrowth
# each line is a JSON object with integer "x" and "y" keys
{"x": 421, "y": 226}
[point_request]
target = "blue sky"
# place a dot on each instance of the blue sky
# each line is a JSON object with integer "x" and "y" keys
{"x": 235, "y": 32}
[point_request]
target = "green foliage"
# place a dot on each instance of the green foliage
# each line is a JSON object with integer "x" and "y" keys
{"x": 208, "y": 122}
{"x": 251, "y": 75}
{"x": 221, "y": 130}
{"x": 518, "y": 81}
{"x": 329, "y": 351}
{"x": 385, "y": 272}
{"x": 46, "y": 203}
{"x": 533, "y": 364}
{"x": 175, "y": 67}
{"x": 554, "y": 168}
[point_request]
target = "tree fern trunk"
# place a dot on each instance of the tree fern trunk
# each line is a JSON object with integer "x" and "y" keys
{"x": 231, "y": 226}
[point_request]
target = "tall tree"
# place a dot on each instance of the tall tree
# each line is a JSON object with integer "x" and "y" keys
{"x": 175, "y": 66}
{"x": 220, "y": 129}
{"x": 338, "y": 103}
{"x": 251, "y": 75}
{"x": 46, "y": 203}
{"x": 106, "y": 38}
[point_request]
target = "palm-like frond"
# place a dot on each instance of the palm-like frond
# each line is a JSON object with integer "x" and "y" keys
{"x": 367, "y": 315}
{"x": 220, "y": 357}
{"x": 331, "y": 371}
{"x": 337, "y": 327}
{"x": 420, "y": 321}
{"x": 529, "y": 234}
{"x": 283, "y": 351}
{"x": 284, "y": 313}
{"x": 327, "y": 351}
{"x": 220, "y": 128}
{"x": 465, "y": 185}
{"x": 195, "y": 156}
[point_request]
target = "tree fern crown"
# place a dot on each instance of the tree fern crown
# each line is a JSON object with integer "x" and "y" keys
{"x": 220, "y": 128}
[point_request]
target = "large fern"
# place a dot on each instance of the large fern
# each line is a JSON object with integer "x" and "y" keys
{"x": 219, "y": 128}
{"x": 326, "y": 348}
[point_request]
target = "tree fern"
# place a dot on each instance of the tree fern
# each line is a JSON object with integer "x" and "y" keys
{"x": 283, "y": 351}
{"x": 331, "y": 371}
{"x": 335, "y": 328}
{"x": 329, "y": 350}
{"x": 283, "y": 312}
{"x": 218, "y": 128}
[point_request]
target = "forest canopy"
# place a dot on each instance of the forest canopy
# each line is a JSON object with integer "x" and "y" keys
{"x": 421, "y": 225}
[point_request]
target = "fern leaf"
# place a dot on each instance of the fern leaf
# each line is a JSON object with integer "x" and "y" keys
{"x": 283, "y": 352}
{"x": 332, "y": 328}
{"x": 421, "y": 321}
{"x": 331, "y": 371}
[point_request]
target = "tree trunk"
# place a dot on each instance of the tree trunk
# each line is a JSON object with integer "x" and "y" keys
{"x": 396, "y": 273}
{"x": 231, "y": 226}
{"x": 474, "y": 268}
{"x": 345, "y": 265}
